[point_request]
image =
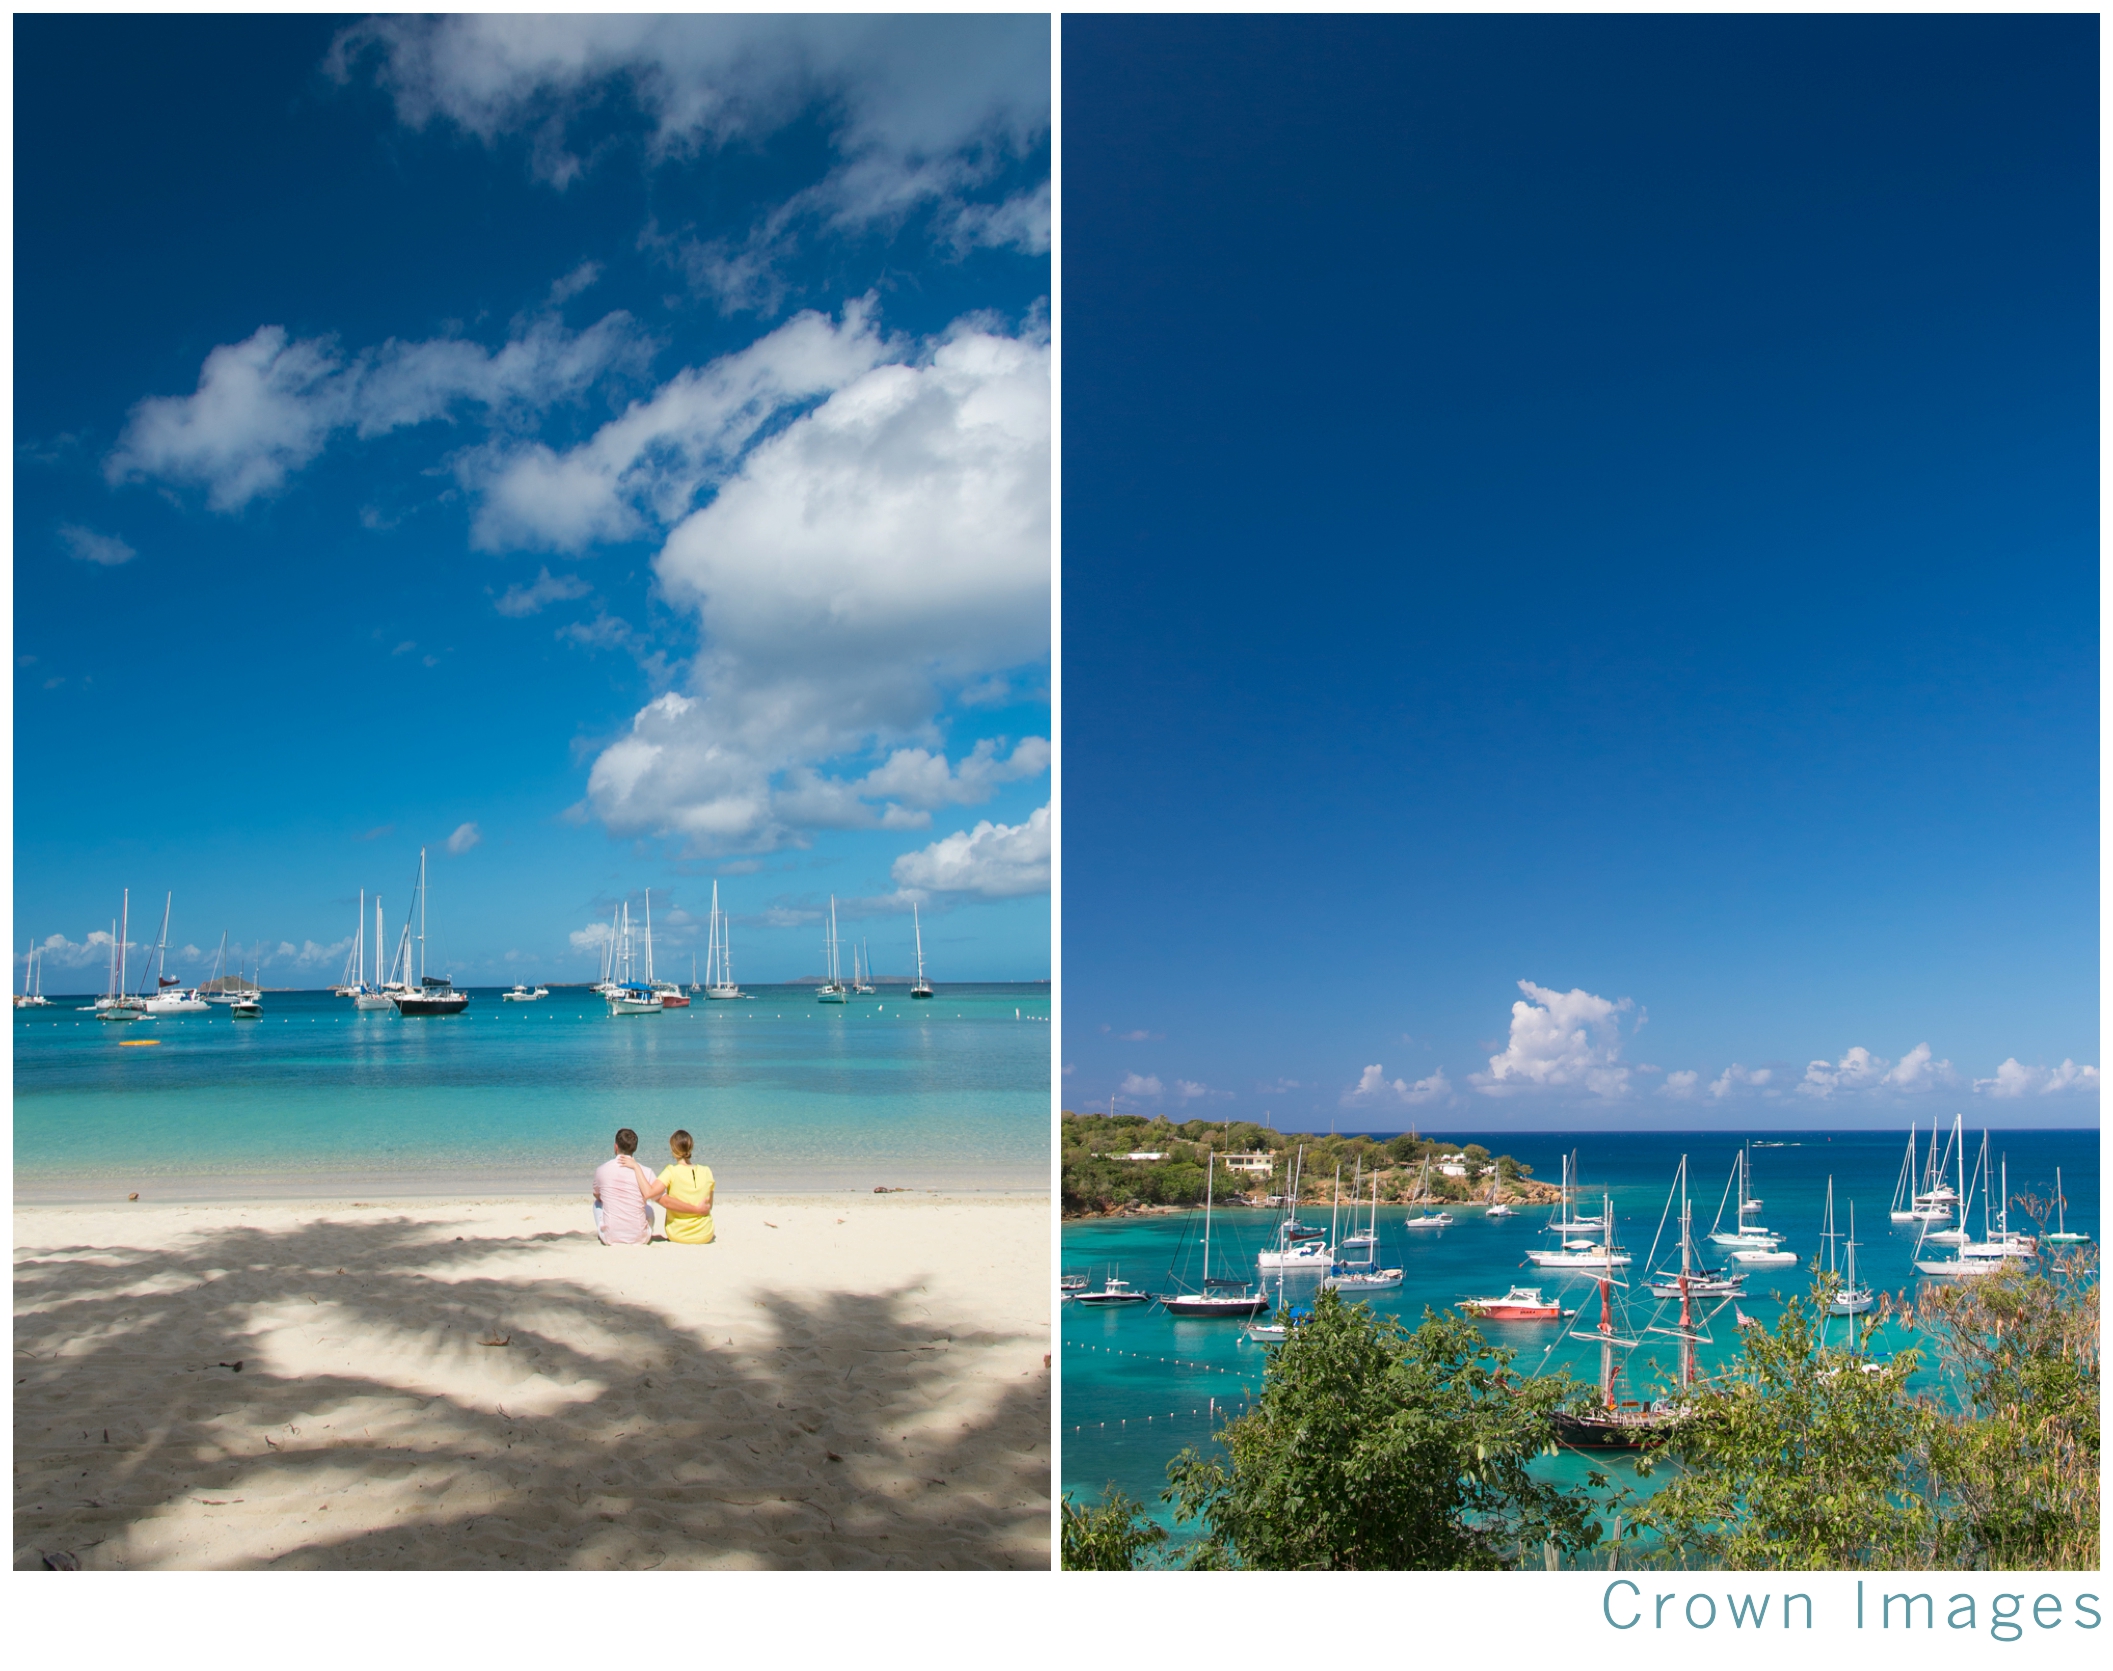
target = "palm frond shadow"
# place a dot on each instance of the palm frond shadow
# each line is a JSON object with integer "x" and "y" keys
{"x": 622, "y": 1442}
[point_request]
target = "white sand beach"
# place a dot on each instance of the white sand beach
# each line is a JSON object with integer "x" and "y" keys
{"x": 841, "y": 1381}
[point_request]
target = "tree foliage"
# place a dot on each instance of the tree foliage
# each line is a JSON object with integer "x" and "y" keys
{"x": 1107, "y": 1537}
{"x": 1373, "y": 1448}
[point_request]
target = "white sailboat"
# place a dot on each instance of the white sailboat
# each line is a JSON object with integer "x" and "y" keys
{"x": 118, "y": 1004}
{"x": 31, "y": 997}
{"x": 1752, "y": 1237}
{"x": 2060, "y": 1233}
{"x": 1426, "y": 1220}
{"x": 670, "y": 993}
{"x": 1292, "y": 1253}
{"x": 923, "y": 987}
{"x": 374, "y": 994}
{"x": 832, "y": 989}
{"x": 1693, "y": 1279}
{"x": 1903, "y": 1208}
{"x": 1849, "y": 1299}
{"x": 719, "y": 955}
{"x": 1496, "y": 1208}
{"x": 624, "y": 994}
{"x": 1365, "y": 1275}
{"x": 1218, "y": 1296}
{"x": 170, "y": 997}
{"x": 862, "y": 982}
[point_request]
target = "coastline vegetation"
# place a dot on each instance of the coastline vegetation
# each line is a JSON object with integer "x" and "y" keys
{"x": 1374, "y": 1447}
{"x": 1100, "y": 1177}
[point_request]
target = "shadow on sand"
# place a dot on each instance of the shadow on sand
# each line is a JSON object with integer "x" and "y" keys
{"x": 371, "y": 1426}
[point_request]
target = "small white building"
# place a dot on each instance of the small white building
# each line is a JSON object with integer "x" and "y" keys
{"x": 1261, "y": 1162}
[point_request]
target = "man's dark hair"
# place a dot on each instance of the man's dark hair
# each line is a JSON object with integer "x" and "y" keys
{"x": 627, "y": 1141}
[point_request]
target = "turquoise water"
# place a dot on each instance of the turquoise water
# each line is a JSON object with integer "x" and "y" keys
{"x": 780, "y": 1092}
{"x": 1138, "y": 1385}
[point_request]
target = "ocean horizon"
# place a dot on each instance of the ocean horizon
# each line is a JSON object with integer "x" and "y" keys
{"x": 316, "y": 1099}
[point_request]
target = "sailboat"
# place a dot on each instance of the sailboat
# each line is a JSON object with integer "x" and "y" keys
{"x": 1753, "y": 1237}
{"x": 1903, "y": 1208}
{"x": 1936, "y": 1199}
{"x": 171, "y": 997}
{"x": 923, "y": 987}
{"x": 31, "y": 997}
{"x": 1426, "y": 1220}
{"x": 719, "y": 955}
{"x": 1849, "y": 1299}
{"x": 832, "y": 989}
{"x": 627, "y": 996}
{"x": 118, "y": 1004}
{"x": 1614, "y": 1424}
{"x": 1961, "y": 1198}
{"x": 1294, "y": 1252}
{"x": 862, "y": 983}
{"x": 2060, "y": 1233}
{"x": 1218, "y": 1296}
{"x": 1990, "y": 1254}
{"x": 1362, "y": 1276}
{"x": 1693, "y": 1277}
{"x": 435, "y": 994}
{"x": 1496, "y": 1208}
{"x": 1575, "y": 1252}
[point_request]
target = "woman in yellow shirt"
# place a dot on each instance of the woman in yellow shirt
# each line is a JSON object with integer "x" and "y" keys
{"x": 685, "y": 1189}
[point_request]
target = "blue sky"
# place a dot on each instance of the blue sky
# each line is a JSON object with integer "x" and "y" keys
{"x": 1580, "y": 570}
{"x": 613, "y": 452}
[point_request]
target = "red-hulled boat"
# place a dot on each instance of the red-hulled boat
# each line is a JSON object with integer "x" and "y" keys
{"x": 1521, "y": 1305}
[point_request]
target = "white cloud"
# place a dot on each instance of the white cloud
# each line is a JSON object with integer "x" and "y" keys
{"x": 310, "y": 955}
{"x": 890, "y": 543}
{"x": 1860, "y": 1071}
{"x": 1188, "y": 1090}
{"x": 922, "y": 111}
{"x": 267, "y": 406}
{"x": 465, "y": 837}
{"x": 1917, "y": 1072}
{"x": 1735, "y": 1076}
{"x": 1560, "y": 1040}
{"x": 1681, "y": 1085}
{"x": 1373, "y": 1086}
{"x": 992, "y": 861}
{"x": 644, "y": 469}
{"x": 1142, "y": 1085}
{"x": 90, "y": 547}
{"x": 546, "y": 588}
{"x": 2013, "y": 1079}
{"x": 56, "y": 948}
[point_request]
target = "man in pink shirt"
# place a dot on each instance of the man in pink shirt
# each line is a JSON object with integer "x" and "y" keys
{"x": 621, "y": 1216}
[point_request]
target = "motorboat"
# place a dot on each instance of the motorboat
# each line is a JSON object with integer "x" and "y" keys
{"x": 519, "y": 993}
{"x": 1519, "y": 1305}
{"x": 1114, "y": 1291}
{"x": 635, "y": 998}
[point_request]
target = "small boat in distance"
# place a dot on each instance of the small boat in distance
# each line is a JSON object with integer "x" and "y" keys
{"x": 1114, "y": 1291}
{"x": 520, "y": 994}
{"x": 862, "y": 982}
{"x": 117, "y": 1004}
{"x": 171, "y": 997}
{"x": 1071, "y": 1286}
{"x": 1426, "y": 1220}
{"x": 246, "y": 1008}
{"x": 923, "y": 987}
{"x": 1743, "y": 1234}
{"x": 1496, "y": 1208}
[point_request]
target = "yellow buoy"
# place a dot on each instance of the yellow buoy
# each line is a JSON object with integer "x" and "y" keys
{"x": 136, "y": 1044}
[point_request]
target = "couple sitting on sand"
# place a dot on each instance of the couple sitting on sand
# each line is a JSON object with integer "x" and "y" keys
{"x": 624, "y": 1193}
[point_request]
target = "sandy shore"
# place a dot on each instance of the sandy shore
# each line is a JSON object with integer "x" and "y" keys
{"x": 848, "y": 1381}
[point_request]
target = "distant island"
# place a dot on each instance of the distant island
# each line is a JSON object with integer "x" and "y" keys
{"x": 1125, "y": 1163}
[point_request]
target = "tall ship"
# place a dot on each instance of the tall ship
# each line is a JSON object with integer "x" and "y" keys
{"x": 434, "y": 994}
{"x": 719, "y": 955}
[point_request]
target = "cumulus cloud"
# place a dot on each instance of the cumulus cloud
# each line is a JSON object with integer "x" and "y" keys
{"x": 546, "y": 588}
{"x": 86, "y": 545}
{"x": 992, "y": 861}
{"x": 72, "y": 954}
{"x": 1735, "y": 1076}
{"x": 1560, "y": 1040}
{"x": 2013, "y": 1079}
{"x": 1142, "y": 1085}
{"x": 888, "y": 545}
{"x": 1373, "y": 1087}
{"x": 1682, "y": 1085}
{"x": 465, "y": 837}
{"x": 267, "y": 406}
{"x": 922, "y": 112}
{"x": 644, "y": 469}
{"x": 1188, "y": 1090}
{"x": 1860, "y": 1071}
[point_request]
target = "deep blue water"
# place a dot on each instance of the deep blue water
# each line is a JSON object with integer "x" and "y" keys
{"x": 779, "y": 1092}
{"x": 1138, "y": 1384}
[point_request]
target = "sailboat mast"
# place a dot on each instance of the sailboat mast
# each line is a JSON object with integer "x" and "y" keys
{"x": 421, "y": 917}
{"x": 161, "y": 944}
{"x": 649, "y": 937}
{"x": 1209, "y": 1174}
{"x": 1687, "y": 1315}
{"x": 124, "y": 941}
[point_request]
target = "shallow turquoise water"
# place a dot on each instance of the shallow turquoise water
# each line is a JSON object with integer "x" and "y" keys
{"x": 780, "y": 1093}
{"x": 1138, "y": 1385}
